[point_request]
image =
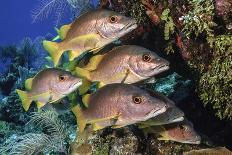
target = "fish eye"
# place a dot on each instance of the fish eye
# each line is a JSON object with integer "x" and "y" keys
{"x": 63, "y": 78}
{"x": 113, "y": 19}
{"x": 137, "y": 99}
{"x": 147, "y": 57}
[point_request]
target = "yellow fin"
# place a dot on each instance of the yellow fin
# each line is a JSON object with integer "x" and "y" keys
{"x": 93, "y": 62}
{"x": 88, "y": 41}
{"x": 97, "y": 127}
{"x": 54, "y": 51}
{"x": 82, "y": 73}
{"x": 26, "y": 101}
{"x": 63, "y": 31}
{"x": 100, "y": 84}
{"x": 40, "y": 104}
{"x": 80, "y": 118}
{"x": 103, "y": 119}
{"x": 85, "y": 100}
{"x": 84, "y": 87}
{"x": 74, "y": 54}
{"x": 142, "y": 126}
{"x": 28, "y": 83}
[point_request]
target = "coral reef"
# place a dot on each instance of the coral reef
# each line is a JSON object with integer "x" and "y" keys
{"x": 58, "y": 8}
{"x": 48, "y": 136}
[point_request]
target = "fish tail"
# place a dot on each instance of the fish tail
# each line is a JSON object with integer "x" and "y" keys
{"x": 84, "y": 87}
{"x": 80, "y": 118}
{"x": 26, "y": 102}
{"x": 82, "y": 73}
{"x": 54, "y": 50}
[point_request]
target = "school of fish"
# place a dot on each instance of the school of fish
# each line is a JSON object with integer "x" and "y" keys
{"x": 117, "y": 102}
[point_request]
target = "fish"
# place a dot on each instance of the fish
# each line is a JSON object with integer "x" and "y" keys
{"x": 90, "y": 32}
{"x": 117, "y": 105}
{"x": 182, "y": 132}
{"x": 172, "y": 115}
{"x": 210, "y": 151}
{"x": 48, "y": 86}
{"x": 124, "y": 64}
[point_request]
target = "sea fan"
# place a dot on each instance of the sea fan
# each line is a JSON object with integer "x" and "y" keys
{"x": 58, "y": 8}
{"x": 52, "y": 139}
{"x": 48, "y": 7}
{"x": 53, "y": 126}
{"x": 27, "y": 145}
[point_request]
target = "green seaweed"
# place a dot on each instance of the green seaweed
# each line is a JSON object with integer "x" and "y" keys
{"x": 200, "y": 18}
{"x": 215, "y": 85}
{"x": 169, "y": 24}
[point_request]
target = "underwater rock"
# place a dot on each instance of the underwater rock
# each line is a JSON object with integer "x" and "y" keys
{"x": 119, "y": 141}
{"x": 223, "y": 7}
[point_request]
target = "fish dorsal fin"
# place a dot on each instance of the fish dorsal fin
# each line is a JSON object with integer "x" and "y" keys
{"x": 80, "y": 118}
{"x": 63, "y": 31}
{"x": 94, "y": 62}
{"x": 85, "y": 100}
{"x": 28, "y": 83}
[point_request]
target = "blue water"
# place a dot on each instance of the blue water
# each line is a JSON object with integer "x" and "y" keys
{"x": 16, "y": 21}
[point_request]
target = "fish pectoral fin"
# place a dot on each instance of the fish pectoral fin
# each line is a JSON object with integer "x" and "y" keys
{"x": 80, "y": 118}
{"x": 84, "y": 87}
{"x": 74, "y": 54}
{"x": 40, "y": 104}
{"x": 28, "y": 83}
{"x": 93, "y": 62}
{"x": 26, "y": 101}
{"x": 54, "y": 51}
{"x": 127, "y": 72}
{"x": 104, "y": 119}
{"x": 87, "y": 41}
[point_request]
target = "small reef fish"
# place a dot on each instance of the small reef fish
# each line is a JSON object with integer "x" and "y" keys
{"x": 173, "y": 114}
{"x": 182, "y": 132}
{"x": 210, "y": 151}
{"x": 124, "y": 64}
{"x": 117, "y": 105}
{"x": 90, "y": 32}
{"x": 48, "y": 86}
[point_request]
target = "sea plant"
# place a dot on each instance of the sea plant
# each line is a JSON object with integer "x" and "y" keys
{"x": 48, "y": 136}
{"x": 200, "y": 18}
{"x": 215, "y": 85}
{"x": 169, "y": 24}
{"x": 58, "y": 8}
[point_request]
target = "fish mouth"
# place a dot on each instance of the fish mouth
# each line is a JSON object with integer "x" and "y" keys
{"x": 73, "y": 87}
{"x": 178, "y": 119}
{"x": 162, "y": 67}
{"x": 154, "y": 112}
{"x": 132, "y": 25}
